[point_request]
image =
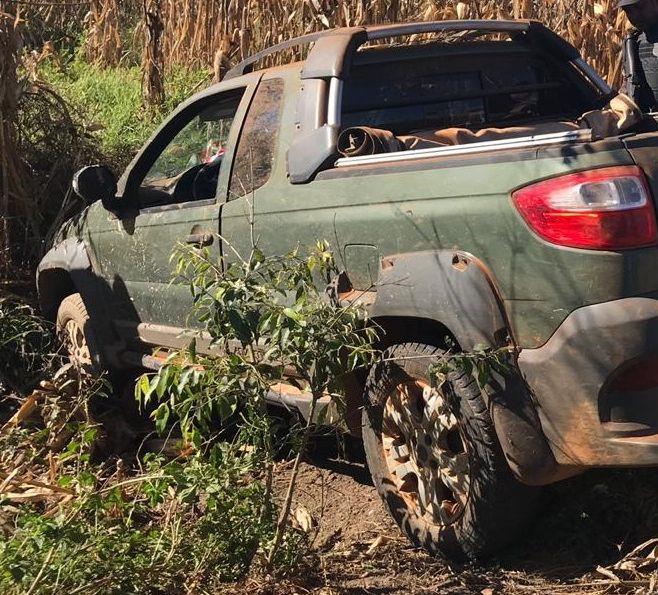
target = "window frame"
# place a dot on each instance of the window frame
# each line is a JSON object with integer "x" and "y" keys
{"x": 130, "y": 182}
{"x": 275, "y": 143}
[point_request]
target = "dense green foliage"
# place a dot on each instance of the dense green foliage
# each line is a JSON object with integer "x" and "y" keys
{"x": 109, "y": 101}
{"x": 26, "y": 344}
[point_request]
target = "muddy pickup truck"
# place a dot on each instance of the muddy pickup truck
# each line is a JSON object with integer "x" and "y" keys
{"x": 472, "y": 195}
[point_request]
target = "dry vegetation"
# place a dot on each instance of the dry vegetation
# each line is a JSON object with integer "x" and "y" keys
{"x": 11, "y": 192}
{"x": 203, "y": 32}
{"x": 214, "y": 32}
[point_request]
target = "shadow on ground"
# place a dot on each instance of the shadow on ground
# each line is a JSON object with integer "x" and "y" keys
{"x": 583, "y": 523}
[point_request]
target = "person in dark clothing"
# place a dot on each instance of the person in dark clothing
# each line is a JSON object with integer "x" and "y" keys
{"x": 641, "y": 53}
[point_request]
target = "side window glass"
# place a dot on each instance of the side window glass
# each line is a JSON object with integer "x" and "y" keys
{"x": 188, "y": 167}
{"x": 256, "y": 149}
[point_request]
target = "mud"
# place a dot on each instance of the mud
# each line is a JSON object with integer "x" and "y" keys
{"x": 586, "y": 523}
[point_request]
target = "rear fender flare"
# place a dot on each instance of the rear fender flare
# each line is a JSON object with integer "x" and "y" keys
{"x": 456, "y": 290}
{"x": 447, "y": 286}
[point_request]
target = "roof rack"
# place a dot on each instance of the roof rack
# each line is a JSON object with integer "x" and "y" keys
{"x": 318, "y": 118}
{"x": 373, "y": 32}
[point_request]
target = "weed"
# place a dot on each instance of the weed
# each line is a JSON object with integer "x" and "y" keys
{"x": 109, "y": 102}
{"x": 26, "y": 345}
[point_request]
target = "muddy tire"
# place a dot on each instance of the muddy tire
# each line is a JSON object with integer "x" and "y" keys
{"x": 435, "y": 459}
{"x": 75, "y": 330}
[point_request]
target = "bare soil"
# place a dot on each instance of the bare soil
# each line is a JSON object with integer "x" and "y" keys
{"x": 587, "y": 523}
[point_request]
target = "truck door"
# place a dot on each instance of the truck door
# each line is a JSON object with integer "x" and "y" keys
{"x": 259, "y": 163}
{"x": 172, "y": 189}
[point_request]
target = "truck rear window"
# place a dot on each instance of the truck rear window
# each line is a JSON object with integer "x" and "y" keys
{"x": 482, "y": 84}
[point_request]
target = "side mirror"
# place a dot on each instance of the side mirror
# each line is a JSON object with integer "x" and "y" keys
{"x": 96, "y": 182}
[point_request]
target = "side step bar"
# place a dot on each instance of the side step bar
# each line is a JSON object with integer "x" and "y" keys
{"x": 280, "y": 395}
{"x": 291, "y": 398}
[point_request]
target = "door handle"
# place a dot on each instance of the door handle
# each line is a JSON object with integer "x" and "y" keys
{"x": 200, "y": 239}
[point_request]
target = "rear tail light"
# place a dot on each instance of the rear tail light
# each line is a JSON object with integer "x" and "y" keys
{"x": 602, "y": 209}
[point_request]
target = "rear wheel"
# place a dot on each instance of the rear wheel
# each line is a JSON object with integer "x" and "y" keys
{"x": 435, "y": 459}
{"x": 75, "y": 331}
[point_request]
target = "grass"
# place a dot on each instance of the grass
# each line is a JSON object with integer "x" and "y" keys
{"x": 172, "y": 526}
{"x": 109, "y": 101}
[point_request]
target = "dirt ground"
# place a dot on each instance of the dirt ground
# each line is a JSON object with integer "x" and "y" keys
{"x": 585, "y": 524}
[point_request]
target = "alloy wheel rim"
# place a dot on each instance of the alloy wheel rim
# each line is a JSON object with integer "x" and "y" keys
{"x": 425, "y": 452}
{"x": 76, "y": 344}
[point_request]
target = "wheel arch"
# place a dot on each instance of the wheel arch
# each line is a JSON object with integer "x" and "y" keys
{"x": 67, "y": 269}
{"x": 435, "y": 295}
{"x": 62, "y": 272}
{"x": 54, "y": 285}
{"x": 448, "y": 289}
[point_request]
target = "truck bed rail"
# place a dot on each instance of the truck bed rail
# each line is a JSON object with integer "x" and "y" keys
{"x": 524, "y": 142}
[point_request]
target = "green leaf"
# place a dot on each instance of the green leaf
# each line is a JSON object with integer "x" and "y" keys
{"x": 142, "y": 388}
{"x": 239, "y": 325}
{"x": 163, "y": 381}
{"x": 292, "y": 314}
{"x": 161, "y": 417}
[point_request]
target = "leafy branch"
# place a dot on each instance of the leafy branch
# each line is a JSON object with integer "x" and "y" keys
{"x": 270, "y": 321}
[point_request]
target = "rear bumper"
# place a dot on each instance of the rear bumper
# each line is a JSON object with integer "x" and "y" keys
{"x": 586, "y": 422}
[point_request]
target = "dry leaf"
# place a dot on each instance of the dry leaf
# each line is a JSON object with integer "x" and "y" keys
{"x": 304, "y": 520}
{"x": 607, "y": 573}
{"x": 22, "y": 414}
{"x": 462, "y": 10}
{"x": 381, "y": 540}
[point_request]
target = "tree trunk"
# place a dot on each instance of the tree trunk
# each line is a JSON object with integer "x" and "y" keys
{"x": 153, "y": 59}
{"x": 282, "y": 523}
{"x": 11, "y": 191}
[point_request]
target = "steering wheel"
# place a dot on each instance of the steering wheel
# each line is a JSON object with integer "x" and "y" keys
{"x": 183, "y": 189}
{"x": 205, "y": 180}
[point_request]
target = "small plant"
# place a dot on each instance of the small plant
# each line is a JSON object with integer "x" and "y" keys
{"x": 26, "y": 345}
{"x": 269, "y": 322}
{"x": 483, "y": 363}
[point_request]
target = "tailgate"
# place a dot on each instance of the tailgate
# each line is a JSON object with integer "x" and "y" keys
{"x": 644, "y": 150}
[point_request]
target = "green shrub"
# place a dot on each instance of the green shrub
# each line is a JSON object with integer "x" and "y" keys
{"x": 110, "y": 102}
{"x": 265, "y": 315}
{"x": 26, "y": 345}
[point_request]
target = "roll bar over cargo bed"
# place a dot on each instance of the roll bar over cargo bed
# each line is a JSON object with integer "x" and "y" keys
{"x": 329, "y": 61}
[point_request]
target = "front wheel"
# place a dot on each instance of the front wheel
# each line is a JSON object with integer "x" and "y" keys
{"x": 435, "y": 458}
{"x": 75, "y": 330}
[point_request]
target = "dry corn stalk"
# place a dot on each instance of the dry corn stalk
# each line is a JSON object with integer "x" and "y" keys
{"x": 153, "y": 59}
{"x": 11, "y": 192}
{"x": 103, "y": 38}
{"x": 197, "y": 31}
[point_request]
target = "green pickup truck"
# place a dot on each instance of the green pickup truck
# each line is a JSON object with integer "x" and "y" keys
{"x": 469, "y": 199}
